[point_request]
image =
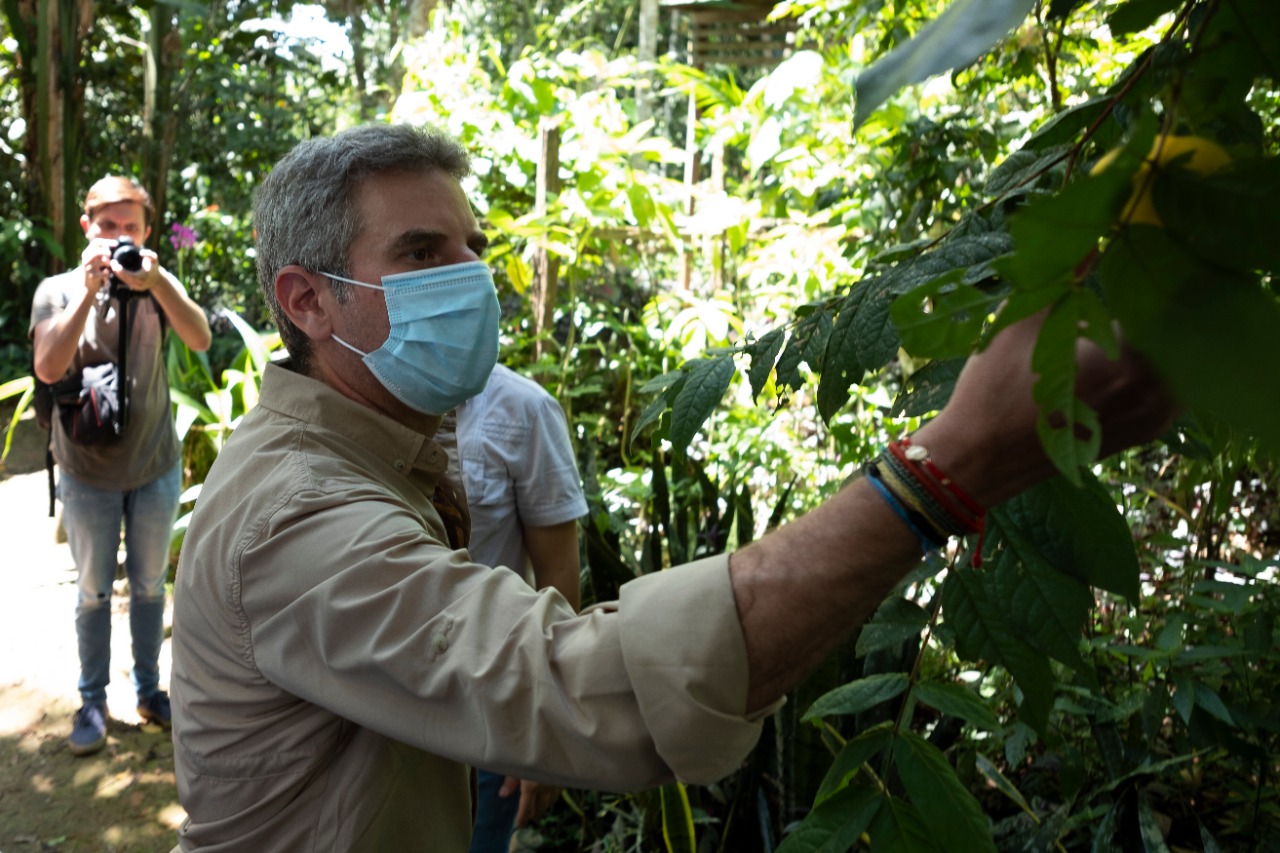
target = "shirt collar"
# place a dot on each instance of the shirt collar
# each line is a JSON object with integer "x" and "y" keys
{"x": 313, "y": 402}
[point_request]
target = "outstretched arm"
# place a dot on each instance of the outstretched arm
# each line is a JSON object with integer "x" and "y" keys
{"x": 802, "y": 589}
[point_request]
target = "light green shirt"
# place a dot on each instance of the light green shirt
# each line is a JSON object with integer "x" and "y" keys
{"x": 336, "y": 667}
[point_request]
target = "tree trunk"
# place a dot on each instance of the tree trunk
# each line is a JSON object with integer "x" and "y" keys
{"x": 159, "y": 116}
{"x": 49, "y": 35}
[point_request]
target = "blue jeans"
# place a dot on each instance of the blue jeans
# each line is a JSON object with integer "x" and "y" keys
{"x": 92, "y": 518}
{"x": 495, "y": 816}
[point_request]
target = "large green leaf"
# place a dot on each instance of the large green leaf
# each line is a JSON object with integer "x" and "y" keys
{"x": 931, "y": 782}
{"x": 896, "y": 620}
{"x": 840, "y": 365}
{"x": 1076, "y": 530}
{"x": 1023, "y": 167}
{"x": 966, "y": 30}
{"x": 928, "y": 389}
{"x": 957, "y": 701}
{"x": 835, "y": 825}
{"x": 806, "y": 344}
{"x": 857, "y": 696}
{"x": 1069, "y": 429}
{"x": 1048, "y": 608}
{"x": 1136, "y": 15}
{"x": 984, "y": 631}
{"x": 900, "y": 827}
{"x": 763, "y": 354}
{"x": 1212, "y": 333}
{"x": 703, "y": 390}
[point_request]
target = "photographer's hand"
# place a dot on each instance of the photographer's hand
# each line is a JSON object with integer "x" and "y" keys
{"x": 96, "y": 262}
{"x": 143, "y": 280}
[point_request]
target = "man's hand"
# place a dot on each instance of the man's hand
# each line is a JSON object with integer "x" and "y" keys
{"x": 986, "y": 437}
{"x": 96, "y": 262}
{"x": 144, "y": 279}
{"x": 535, "y": 798}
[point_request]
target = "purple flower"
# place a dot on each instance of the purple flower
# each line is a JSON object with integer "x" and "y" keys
{"x": 183, "y": 237}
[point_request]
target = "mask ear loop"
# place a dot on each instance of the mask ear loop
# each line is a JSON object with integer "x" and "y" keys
{"x": 360, "y": 353}
{"x": 351, "y": 281}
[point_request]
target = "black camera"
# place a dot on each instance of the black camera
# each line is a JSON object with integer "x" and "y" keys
{"x": 129, "y": 255}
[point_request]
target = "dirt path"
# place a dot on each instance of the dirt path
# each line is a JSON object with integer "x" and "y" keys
{"x": 121, "y": 799}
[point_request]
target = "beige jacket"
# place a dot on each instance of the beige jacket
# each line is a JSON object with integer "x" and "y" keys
{"x": 336, "y": 667}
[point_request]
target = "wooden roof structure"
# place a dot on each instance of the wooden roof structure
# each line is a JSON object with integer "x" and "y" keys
{"x": 734, "y": 32}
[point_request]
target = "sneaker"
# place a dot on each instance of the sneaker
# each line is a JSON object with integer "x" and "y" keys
{"x": 155, "y": 709}
{"x": 88, "y": 730}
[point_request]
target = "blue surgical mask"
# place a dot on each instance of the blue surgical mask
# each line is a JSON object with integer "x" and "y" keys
{"x": 444, "y": 335}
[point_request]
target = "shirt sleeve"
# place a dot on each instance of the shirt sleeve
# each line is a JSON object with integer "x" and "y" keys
{"x": 545, "y": 474}
{"x": 357, "y": 610}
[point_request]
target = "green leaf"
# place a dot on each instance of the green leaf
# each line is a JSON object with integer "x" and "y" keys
{"x": 702, "y": 392}
{"x": 840, "y": 366}
{"x": 896, "y": 620}
{"x": 1214, "y": 335}
{"x": 1078, "y": 531}
{"x": 1229, "y": 219}
{"x": 1149, "y": 828}
{"x": 1069, "y": 429}
{"x": 851, "y": 757}
{"x": 809, "y": 334}
{"x": 1053, "y": 235}
{"x": 984, "y": 631}
{"x": 677, "y": 820}
{"x": 997, "y": 779}
{"x": 1063, "y": 128}
{"x": 857, "y": 696}
{"x": 835, "y": 825}
{"x": 1212, "y": 703}
{"x": 954, "y": 324}
{"x": 1048, "y": 608}
{"x": 1137, "y": 15}
{"x": 899, "y": 827}
{"x": 957, "y": 701}
{"x": 966, "y": 30}
{"x": 928, "y": 389}
{"x": 763, "y": 354}
{"x": 931, "y": 783}
{"x": 1023, "y": 167}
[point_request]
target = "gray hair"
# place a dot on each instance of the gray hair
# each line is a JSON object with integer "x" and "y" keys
{"x": 304, "y": 212}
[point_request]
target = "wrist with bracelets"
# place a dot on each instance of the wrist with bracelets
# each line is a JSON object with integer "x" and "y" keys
{"x": 931, "y": 504}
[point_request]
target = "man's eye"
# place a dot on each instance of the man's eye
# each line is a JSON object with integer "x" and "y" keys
{"x": 420, "y": 254}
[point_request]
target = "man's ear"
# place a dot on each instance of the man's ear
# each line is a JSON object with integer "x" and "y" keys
{"x": 84, "y": 223}
{"x": 304, "y": 297}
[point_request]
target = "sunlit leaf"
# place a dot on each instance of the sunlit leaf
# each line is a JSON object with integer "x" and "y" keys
{"x": 702, "y": 392}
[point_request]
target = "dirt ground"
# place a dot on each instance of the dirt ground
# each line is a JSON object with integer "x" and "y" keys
{"x": 121, "y": 799}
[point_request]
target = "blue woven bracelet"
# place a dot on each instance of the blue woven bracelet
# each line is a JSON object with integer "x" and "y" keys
{"x": 926, "y": 543}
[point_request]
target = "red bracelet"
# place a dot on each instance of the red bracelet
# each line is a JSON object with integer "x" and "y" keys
{"x": 915, "y": 453}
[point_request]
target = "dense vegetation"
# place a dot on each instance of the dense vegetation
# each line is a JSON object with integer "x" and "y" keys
{"x": 1107, "y": 679}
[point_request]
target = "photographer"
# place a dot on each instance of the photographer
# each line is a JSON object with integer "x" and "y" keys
{"x": 133, "y": 478}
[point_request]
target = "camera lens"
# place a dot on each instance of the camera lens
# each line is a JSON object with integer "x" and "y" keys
{"x": 127, "y": 254}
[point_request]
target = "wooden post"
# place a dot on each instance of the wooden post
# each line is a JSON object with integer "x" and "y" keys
{"x": 546, "y": 265}
{"x": 648, "y": 53}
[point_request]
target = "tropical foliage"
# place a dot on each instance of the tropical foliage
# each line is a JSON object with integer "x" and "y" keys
{"x": 730, "y": 352}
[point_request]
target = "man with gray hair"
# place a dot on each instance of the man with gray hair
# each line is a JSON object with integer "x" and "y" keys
{"x": 340, "y": 661}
